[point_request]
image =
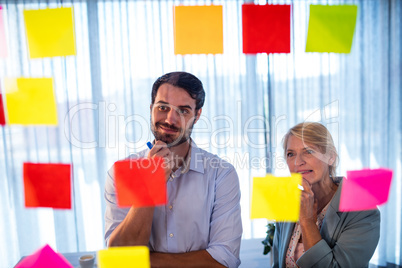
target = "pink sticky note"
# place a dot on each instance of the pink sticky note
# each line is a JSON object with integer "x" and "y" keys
{"x": 365, "y": 189}
{"x": 3, "y": 46}
{"x": 2, "y": 115}
{"x": 44, "y": 257}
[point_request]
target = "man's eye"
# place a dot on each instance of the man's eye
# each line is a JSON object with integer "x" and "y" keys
{"x": 183, "y": 111}
{"x": 163, "y": 108}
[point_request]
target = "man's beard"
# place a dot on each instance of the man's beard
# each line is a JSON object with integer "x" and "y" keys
{"x": 168, "y": 138}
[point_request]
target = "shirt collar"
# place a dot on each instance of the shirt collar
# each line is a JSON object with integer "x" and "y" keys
{"x": 193, "y": 160}
{"x": 186, "y": 163}
{"x": 196, "y": 161}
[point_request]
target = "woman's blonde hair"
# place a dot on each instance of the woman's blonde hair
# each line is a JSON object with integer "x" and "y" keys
{"x": 318, "y": 135}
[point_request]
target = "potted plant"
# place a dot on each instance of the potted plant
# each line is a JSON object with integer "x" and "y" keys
{"x": 268, "y": 242}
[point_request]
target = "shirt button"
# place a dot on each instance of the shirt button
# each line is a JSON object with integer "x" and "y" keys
{"x": 171, "y": 179}
{"x": 171, "y": 235}
{"x": 170, "y": 207}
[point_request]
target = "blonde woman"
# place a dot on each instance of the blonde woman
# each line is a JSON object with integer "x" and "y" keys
{"x": 323, "y": 236}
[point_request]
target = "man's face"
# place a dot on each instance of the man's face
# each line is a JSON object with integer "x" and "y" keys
{"x": 173, "y": 115}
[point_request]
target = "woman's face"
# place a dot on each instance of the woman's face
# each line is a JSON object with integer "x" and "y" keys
{"x": 307, "y": 160}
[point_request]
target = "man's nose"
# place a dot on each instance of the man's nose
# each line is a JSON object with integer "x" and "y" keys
{"x": 172, "y": 117}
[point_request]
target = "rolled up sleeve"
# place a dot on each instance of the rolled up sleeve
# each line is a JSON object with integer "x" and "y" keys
{"x": 226, "y": 226}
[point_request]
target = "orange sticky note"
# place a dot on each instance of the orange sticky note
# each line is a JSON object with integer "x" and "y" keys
{"x": 30, "y": 101}
{"x": 47, "y": 185}
{"x": 276, "y": 198}
{"x": 198, "y": 30}
{"x": 50, "y": 32}
{"x": 3, "y": 43}
{"x": 124, "y": 257}
{"x": 140, "y": 182}
{"x": 44, "y": 257}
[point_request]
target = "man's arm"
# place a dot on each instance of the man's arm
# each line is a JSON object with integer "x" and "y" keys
{"x": 226, "y": 226}
{"x": 135, "y": 229}
{"x": 194, "y": 259}
{"x": 125, "y": 227}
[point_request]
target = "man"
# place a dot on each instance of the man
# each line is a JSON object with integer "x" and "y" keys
{"x": 200, "y": 226}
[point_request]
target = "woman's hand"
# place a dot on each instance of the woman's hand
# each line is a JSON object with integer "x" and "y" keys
{"x": 308, "y": 204}
{"x": 308, "y": 217}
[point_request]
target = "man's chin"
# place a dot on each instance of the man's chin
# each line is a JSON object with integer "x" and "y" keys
{"x": 177, "y": 143}
{"x": 172, "y": 142}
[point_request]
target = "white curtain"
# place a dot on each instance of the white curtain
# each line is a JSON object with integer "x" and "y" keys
{"x": 103, "y": 97}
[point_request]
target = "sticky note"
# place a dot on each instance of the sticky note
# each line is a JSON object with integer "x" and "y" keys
{"x": 124, "y": 257}
{"x": 198, "y": 29}
{"x": 331, "y": 28}
{"x": 276, "y": 198}
{"x": 3, "y": 43}
{"x": 140, "y": 182}
{"x": 44, "y": 257}
{"x": 266, "y": 28}
{"x": 2, "y": 116}
{"x": 47, "y": 185}
{"x": 50, "y": 32}
{"x": 365, "y": 189}
{"x": 30, "y": 101}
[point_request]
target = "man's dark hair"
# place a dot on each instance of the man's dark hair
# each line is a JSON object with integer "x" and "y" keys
{"x": 183, "y": 80}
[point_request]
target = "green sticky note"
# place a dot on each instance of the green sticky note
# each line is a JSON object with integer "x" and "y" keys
{"x": 331, "y": 28}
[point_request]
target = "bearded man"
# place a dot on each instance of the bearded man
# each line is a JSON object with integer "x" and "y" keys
{"x": 200, "y": 226}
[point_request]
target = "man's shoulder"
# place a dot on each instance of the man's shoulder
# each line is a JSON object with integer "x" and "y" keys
{"x": 132, "y": 156}
{"x": 211, "y": 160}
{"x": 139, "y": 154}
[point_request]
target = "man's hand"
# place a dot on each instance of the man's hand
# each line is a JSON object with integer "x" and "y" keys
{"x": 160, "y": 149}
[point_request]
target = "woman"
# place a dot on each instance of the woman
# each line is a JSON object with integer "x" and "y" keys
{"x": 323, "y": 236}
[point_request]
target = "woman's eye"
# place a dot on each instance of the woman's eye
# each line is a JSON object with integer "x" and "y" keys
{"x": 309, "y": 151}
{"x": 289, "y": 154}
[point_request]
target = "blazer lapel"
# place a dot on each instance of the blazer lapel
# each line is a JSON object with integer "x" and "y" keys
{"x": 332, "y": 219}
{"x": 286, "y": 235}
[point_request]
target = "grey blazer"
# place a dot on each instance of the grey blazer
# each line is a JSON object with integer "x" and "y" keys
{"x": 349, "y": 239}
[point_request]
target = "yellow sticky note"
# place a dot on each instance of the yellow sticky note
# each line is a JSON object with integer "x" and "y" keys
{"x": 331, "y": 28}
{"x": 276, "y": 198}
{"x": 198, "y": 30}
{"x": 124, "y": 257}
{"x": 50, "y": 32}
{"x": 30, "y": 101}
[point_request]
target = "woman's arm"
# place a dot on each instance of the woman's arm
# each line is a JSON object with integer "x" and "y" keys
{"x": 356, "y": 237}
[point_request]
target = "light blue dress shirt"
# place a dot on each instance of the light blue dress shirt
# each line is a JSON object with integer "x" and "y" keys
{"x": 202, "y": 212}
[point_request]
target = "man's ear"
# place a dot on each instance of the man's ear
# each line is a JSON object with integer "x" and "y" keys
{"x": 197, "y": 116}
